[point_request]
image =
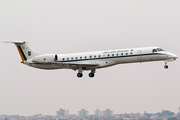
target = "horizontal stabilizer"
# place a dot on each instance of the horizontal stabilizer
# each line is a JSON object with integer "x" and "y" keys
{"x": 15, "y": 42}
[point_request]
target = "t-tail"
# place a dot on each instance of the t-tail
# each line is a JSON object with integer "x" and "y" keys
{"x": 23, "y": 49}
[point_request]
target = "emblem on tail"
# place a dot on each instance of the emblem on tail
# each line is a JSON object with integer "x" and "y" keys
{"x": 29, "y": 53}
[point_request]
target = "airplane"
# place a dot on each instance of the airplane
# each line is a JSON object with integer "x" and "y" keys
{"x": 91, "y": 60}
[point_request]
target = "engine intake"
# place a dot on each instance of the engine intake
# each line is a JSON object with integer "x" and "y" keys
{"x": 56, "y": 58}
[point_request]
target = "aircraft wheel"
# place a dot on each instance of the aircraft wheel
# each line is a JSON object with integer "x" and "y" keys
{"x": 79, "y": 75}
{"x": 91, "y": 74}
{"x": 166, "y": 66}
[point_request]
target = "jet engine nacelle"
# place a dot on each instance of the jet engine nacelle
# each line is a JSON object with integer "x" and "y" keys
{"x": 48, "y": 58}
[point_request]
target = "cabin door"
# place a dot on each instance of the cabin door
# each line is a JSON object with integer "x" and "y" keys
{"x": 139, "y": 55}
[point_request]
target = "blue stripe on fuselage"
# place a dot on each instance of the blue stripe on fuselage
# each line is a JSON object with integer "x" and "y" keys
{"x": 112, "y": 57}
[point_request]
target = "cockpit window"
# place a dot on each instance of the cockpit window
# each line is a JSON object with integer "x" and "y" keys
{"x": 159, "y": 49}
{"x": 154, "y": 50}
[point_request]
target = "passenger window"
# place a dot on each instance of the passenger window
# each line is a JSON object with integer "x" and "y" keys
{"x": 85, "y": 57}
{"x": 154, "y": 50}
{"x": 126, "y": 53}
{"x": 108, "y": 55}
{"x": 67, "y": 58}
{"x": 72, "y": 58}
{"x": 95, "y": 56}
{"x": 121, "y": 53}
{"x": 90, "y": 56}
{"x": 131, "y": 53}
{"x": 80, "y": 57}
{"x": 117, "y": 54}
{"x": 112, "y": 54}
{"x": 63, "y": 59}
{"x": 99, "y": 55}
{"x": 76, "y": 58}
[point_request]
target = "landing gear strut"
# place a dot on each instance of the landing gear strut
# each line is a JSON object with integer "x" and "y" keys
{"x": 80, "y": 70}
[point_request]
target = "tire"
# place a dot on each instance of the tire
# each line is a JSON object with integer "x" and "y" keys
{"x": 79, "y": 75}
{"x": 91, "y": 75}
{"x": 166, "y": 66}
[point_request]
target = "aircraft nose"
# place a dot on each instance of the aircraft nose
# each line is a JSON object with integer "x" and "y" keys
{"x": 173, "y": 55}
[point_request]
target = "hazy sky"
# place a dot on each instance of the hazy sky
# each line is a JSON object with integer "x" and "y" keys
{"x": 70, "y": 26}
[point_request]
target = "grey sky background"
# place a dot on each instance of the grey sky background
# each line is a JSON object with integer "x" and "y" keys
{"x": 70, "y": 26}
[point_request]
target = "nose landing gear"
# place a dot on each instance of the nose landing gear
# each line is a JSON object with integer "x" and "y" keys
{"x": 166, "y": 66}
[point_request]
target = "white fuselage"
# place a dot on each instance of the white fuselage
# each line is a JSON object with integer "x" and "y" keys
{"x": 91, "y": 60}
{"x": 100, "y": 58}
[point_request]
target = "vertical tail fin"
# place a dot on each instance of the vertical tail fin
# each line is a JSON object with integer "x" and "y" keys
{"x": 24, "y": 50}
{"x": 21, "y": 53}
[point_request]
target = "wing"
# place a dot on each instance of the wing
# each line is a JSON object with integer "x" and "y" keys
{"x": 77, "y": 65}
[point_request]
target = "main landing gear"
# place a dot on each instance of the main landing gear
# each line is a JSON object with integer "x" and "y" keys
{"x": 166, "y": 66}
{"x": 80, "y": 70}
{"x": 80, "y": 74}
{"x": 91, "y": 74}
